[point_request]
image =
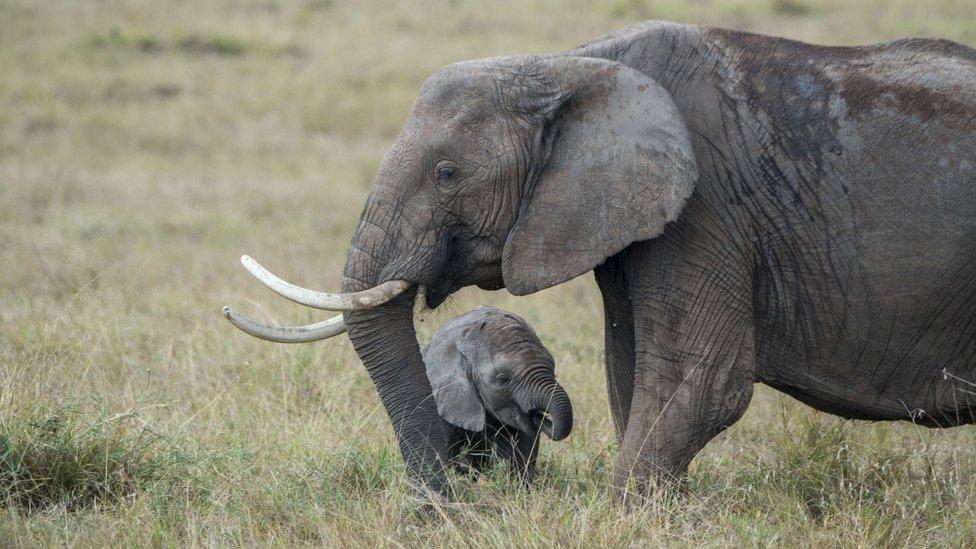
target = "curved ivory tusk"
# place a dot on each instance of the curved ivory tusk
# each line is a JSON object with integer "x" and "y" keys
{"x": 366, "y": 299}
{"x": 287, "y": 334}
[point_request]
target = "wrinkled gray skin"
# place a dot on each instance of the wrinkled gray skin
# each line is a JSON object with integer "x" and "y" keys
{"x": 821, "y": 218}
{"x": 495, "y": 383}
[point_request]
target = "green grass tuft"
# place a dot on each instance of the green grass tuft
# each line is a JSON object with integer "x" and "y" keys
{"x": 793, "y": 7}
{"x": 219, "y": 45}
{"x": 140, "y": 41}
{"x": 128, "y": 39}
{"x": 63, "y": 457}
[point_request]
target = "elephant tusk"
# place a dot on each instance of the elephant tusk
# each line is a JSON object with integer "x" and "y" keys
{"x": 287, "y": 334}
{"x": 366, "y": 299}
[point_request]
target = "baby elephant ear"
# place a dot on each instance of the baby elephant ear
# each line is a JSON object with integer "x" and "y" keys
{"x": 454, "y": 393}
{"x": 614, "y": 164}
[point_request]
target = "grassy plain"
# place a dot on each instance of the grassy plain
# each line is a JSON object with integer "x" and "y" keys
{"x": 146, "y": 144}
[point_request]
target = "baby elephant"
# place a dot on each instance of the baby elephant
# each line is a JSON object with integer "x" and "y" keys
{"x": 495, "y": 383}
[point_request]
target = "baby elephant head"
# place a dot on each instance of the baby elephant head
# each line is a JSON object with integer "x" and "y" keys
{"x": 491, "y": 361}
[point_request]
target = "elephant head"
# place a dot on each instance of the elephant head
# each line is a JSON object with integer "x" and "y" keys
{"x": 492, "y": 361}
{"x": 518, "y": 172}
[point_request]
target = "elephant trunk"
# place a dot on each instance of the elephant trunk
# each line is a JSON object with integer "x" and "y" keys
{"x": 551, "y": 410}
{"x": 385, "y": 341}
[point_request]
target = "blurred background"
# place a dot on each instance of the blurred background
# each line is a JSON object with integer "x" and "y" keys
{"x": 145, "y": 145}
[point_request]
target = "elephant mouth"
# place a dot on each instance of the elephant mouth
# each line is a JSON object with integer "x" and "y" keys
{"x": 541, "y": 420}
{"x": 484, "y": 272}
{"x": 435, "y": 294}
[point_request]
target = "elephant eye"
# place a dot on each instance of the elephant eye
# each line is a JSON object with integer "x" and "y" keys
{"x": 446, "y": 174}
{"x": 502, "y": 378}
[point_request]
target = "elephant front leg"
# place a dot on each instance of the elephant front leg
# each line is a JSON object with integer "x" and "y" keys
{"x": 521, "y": 450}
{"x": 618, "y": 332}
{"x": 692, "y": 380}
{"x": 525, "y": 452}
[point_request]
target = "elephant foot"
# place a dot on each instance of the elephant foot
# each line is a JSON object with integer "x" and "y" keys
{"x": 426, "y": 499}
{"x": 630, "y": 488}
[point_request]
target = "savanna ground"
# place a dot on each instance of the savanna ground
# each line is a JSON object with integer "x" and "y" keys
{"x": 144, "y": 145}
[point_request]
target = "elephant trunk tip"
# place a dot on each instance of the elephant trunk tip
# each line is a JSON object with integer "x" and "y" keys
{"x": 556, "y": 420}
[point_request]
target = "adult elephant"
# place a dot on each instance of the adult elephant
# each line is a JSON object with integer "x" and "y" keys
{"x": 755, "y": 210}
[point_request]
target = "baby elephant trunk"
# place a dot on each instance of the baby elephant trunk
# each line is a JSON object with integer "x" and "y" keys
{"x": 552, "y": 411}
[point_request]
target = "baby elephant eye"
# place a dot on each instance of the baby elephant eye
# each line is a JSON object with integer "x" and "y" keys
{"x": 446, "y": 174}
{"x": 502, "y": 378}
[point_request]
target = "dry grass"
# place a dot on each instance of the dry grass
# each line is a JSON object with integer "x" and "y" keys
{"x": 145, "y": 145}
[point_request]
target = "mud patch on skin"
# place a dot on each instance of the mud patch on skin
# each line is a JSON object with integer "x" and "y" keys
{"x": 863, "y": 95}
{"x": 790, "y": 83}
{"x": 809, "y": 92}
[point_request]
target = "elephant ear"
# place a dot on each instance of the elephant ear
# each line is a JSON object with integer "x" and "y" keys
{"x": 614, "y": 165}
{"x": 449, "y": 372}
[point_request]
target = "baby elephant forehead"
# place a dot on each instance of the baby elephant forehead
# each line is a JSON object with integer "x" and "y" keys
{"x": 527, "y": 355}
{"x": 497, "y": 320}
{"x": 485, "y": 321}
{"x": 507, "y": 334}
